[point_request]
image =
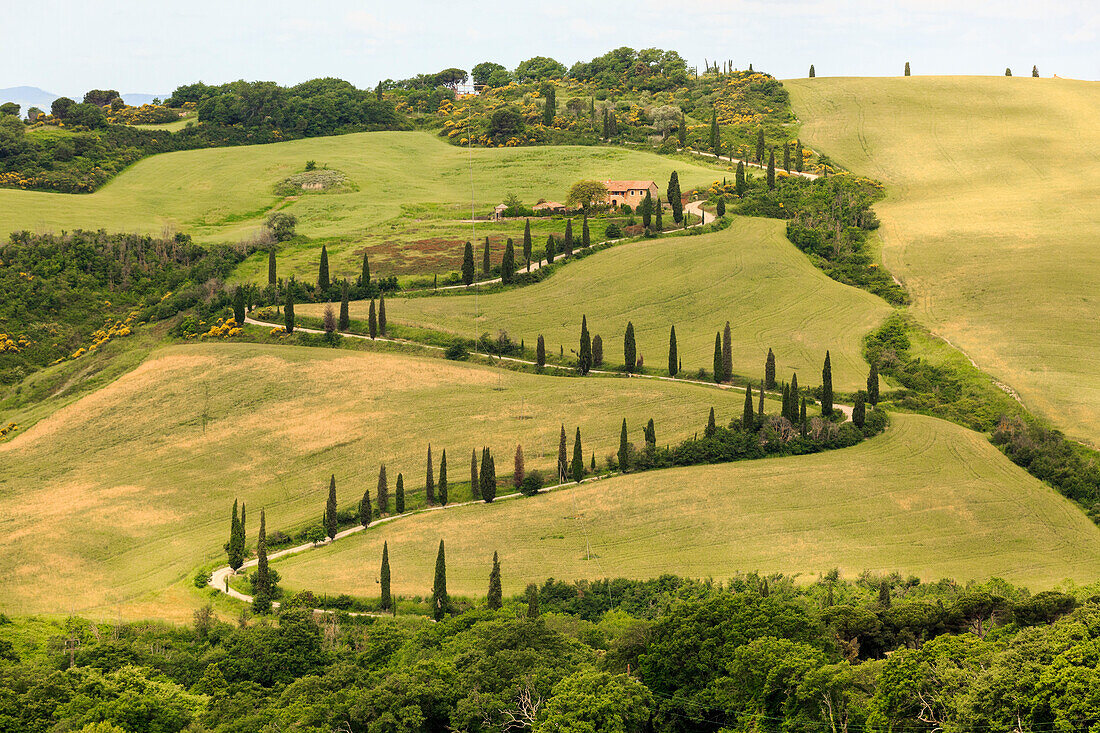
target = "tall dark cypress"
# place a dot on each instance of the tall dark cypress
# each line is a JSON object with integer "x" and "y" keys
{"x": 243, "y": 543}
{"x": 1034, "y": 71}
{"x": 399, "y": 494}
{"x": 715, "y": 138}
{"x": 795, "y": 396}
{"x": 741, "y": 185}
{"x": 495, "y": 595}
{"x": 727, "y": 353}
{"x": 658, "y": 223}
{"x": 540, "y": 352}
{"x": 532, "y": 600}
{"x": 630, "y": 350}
{"x": 771, "y": 170}
{"x": 261, "y": 587}
{"x": 441, "y": 603}
{"x": 364, "y": 275}
{"x": 508, "y": 263}
{"x": 549, "y": 107}
{"x": 712, "y": 426}
{"x": 271, "y": 271}
{"x": 322, "y": 271}
{"x": 233, "y": 549}
{"x": 785, "y": 409}
{"x": 597, "y": 350}
{"x": 624, "y": 450}
{"x": 372, "y": 321}
{"x": 382, "y": 313}
{"x": 567, "y": 243}
{"x": 288, "y": 308}
{"x": 802, "y": 420}
{"x": 527, "y": 243}
{"x": 563, "y": 457}
{"x": 330, "y": 509}
{"x": 675, "y": 198}
{"x": 673, "y": 357}
{"x": 681, "y": 131}
{"x": 345, "y": 315}
{"x": 872, "y": 384}
{"x": 577, "y": 467}
{"x": 475, "y": 485}
{"x": 719, "y": 377}
{"x": 517, "y": 467}
{"x": 551, "y": 250}
{"x": 488, "y": 476}
{"x": 429, "y": 480}
{"x": 769, "y": 371}
{"x": 650, "y": 436}
{"x": 760, "y": 402}
{"x": 787, "y": 157}
{"x": 760, "y": 146}
{"x": 584, "y": 354}
{"x": 468, "y": 264}
{"x": 366, "y": 513}
{"x": 720, "y": 208}
{"x": 238, "y": 306}
{"x": 747, "y": 421}
{"x": 383, "y": 492}
{"x": 386, "y": 600}
{"x": 907, "y": 72}
{"x": 485, "y": 258}
{"x": 827, "y": 387}
{"x": 798, "y": 156}
{"x": 586, "y": 235}
{"x": 443, "y": 479}
{"x": 812, "y": 72}
{"x": 646, "y": 209}
{"x": 859, "y": 409}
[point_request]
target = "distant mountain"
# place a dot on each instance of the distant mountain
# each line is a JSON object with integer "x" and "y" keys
{"x": 27, "y": 97}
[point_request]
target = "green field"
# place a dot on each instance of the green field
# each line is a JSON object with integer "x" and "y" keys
{"x": 927, "y": 498}
{"x": 413, "y": 190}
{"x": 990, "y": 217}
{"x": 748, "y": 274}
{"x": 133, "y": 484}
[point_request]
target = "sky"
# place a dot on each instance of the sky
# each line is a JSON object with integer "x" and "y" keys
{"x": 152, "y": 47}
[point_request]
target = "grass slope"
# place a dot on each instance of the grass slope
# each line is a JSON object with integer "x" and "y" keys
{"x": 927, "y": 497}
{"x": 990, "y": 218}
{"x": 117, "y": 497}
{"x": 223, "y": 194}
{"x": 748, "y": 274}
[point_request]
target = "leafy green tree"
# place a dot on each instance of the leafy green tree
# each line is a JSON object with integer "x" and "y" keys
{"x": 747, "y": 421}
{"x": 271, "y": 271}
{"x": 624, "y": 450}
{"x": 372, "y": 320}
{"x": 429, "y": 480}
{"x": 584, "y": 354}
{"x": 262, "y": 590}
{"x": 727, "y": 353}
{"x": 532, "y": 600}
{"x": 441, "y": 602}
{"x": 508, "y": 263}
{"x": 591, "y": 700}
{"x": 366, "y": 513}
{"x": 859, "y": 409}
{"x": 345, "y": 315}
{"x": 288, "y": 308}
{"x": 630, "y": 350}
{"x": 1008, "y": 71}
{"x": 481, "y": 72}
{"x": 399, "y": 494}
{"x": 719, "y": 372}
{"x": 382, "y": 313}
{"x": 540, "y": 352}
{"x": 495, "y": 595}
{"x": 485, "y": 258}
{"x": 577, "y": 467}
{"x": 364, "y": 275}
{"x": 238, "y": 305}
{"x": 330, "y": 510}
{"x": 675, "y": 198}
{"x": 827, "y": 387}
{"x": 872, "y": 384}
{"x": 386, "y": 598}
{"x": 322, "y": 271}
{"x": 527, "y": 243}
{"x": 769, "y": 371}
{"x": 443, "y": 479}
{"x": 741, "y": 184}
{"x": 383, "y": 492}
{"x": 468, "y": 264}
{"x": 673, "y": 358}
{"x": 771, "y": 170}
{"x": 586, "y": 194}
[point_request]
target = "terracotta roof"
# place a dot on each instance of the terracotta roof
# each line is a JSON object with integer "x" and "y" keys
{"x": 625, "y": 185}
{"x": 548, "y": 205}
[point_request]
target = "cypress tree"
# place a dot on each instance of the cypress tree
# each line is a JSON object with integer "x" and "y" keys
{"x": 673, "y": 358}
{"x": 760, "y": 146}
{"x": 584, "y": 354}
{"x": 322, "y": 271}
{"x": 578, "y": 459}
{"x": 383, "y": 492}
{"x": 517, "y": 467}
{"x": 488, "y": 476}
{"x": 233, "y": 549}
{"x": 795, "y": 395}
{"x": 606, "y": 133}
{"x": 859, "y": 409}
{"x": 364, "y": 276}
{"x": 540, "y": 352}
{"x": 485, "y": 258}
{"x": 532, "y": 600}
{"x": 727, "y": 354}
{"x": 658, "y": 221}
{"x": 721, "y": 207}
{"x": 771, "y": 170}
{"x": 440, "y": 601}
{"x": 508, "y": 263}
{"x": 827, "y": 387}
{"x": 907, "y": 69}
{"x": 475, "y": 485}
{"x": 527, "y": 243}
{"x": 288, "y": 308}
{"x": 372, "y": 321}
{"x": 646, "y": 209}
{"x": 550, "y": 250}
{"x": 812, "y": 73}
{"x": 746, "y": 416}
{"x": 567, "y": 243}
{"x": 365, "y": 511}
{"x": 798, "y": 157}
{"x": 741, "y": 185}
{"x": 760, "y": 403}
{"x": 386, "y": 599}
{"x": 586, "y": 236}
{"x": 715, "y": 139}
{"x": 330, "y": 509}
{"x": 624, "y": 450}
{"x": 719, "y": 376}
{"x": 238, "y": 306}
{"x": 443, "y": 479}
{"x": 495, "y": 595}
{"x": 549, "y": 107}
{"x": 712, "y": 426}
{"x": 345, "y": 316}
{"x": 630, "y": 351}
{"x": 802, "y": 418}
{"x": 675, "y": 198}
{"x": 872, "y": 385}
{"x": 785, "y": 409}
{"x": 1035, "y": 71}
{"x": 399, "y": 494}
{"x": 261, "y": 587}
{"x": 769, "y": 371}
{"x": 563, "y": 457}
{"x": 243, "y": 543}
{"x": 429, "y": 480}
{"x": 271, "y": 272}
{"x": 468, "y": 264}
{"x": 382, "y": 313}
{"x": 651, "y": 436}
{"x": 597, "y": 350}
{"x": 884, "y": 594}
{"x": 787, "y": 157}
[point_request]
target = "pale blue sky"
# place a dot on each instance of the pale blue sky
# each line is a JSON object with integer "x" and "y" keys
{"x": 142, "y": 46}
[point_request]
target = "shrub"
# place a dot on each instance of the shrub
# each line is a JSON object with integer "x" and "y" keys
{"x": 202, "y": 578}
{"x": 532, "y": 483}
{"x": 613, "y": 231}
{"x": 457, "y": 351}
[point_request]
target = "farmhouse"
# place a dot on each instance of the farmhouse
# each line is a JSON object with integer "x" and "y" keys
{"x": 630, "y": 193}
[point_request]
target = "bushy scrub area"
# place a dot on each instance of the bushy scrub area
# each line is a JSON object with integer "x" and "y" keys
{"x": 669, "y": 654}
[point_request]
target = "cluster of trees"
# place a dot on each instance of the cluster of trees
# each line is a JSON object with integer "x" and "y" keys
{"x": 667, "y": 654}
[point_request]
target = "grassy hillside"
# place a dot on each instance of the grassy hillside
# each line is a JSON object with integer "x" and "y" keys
{"x": 990, "y": 217}
{"x": 748, "y": 274}
{"x": 133, "y": 484}
{"x": 413, "y": 188}
{"x": 928, "y": 498}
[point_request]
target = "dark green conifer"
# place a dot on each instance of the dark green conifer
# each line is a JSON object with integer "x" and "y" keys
{"x": 586, "y": 235}
{"x": 508, "y": 263}
{"x": 719, "y": 375}
{"x": 485, "y": 258}
{"x": 517, "y": 467}
{"x": 345, "y": 315}
{"x": 650, "y": 436}
{"x": 429, "y": 480}
{"x": 468, "y": 264}
{"x": 288, "y": 308}
{"x": 532, "y": 600}
{"x": 720, "y": 209}
{"x": 262, "y": 587}
{"x": 630, "y": 350}
{"x": 584, "y": 354}
{"x": 322, "y": 271}
{"x": 563, "y": 457}
{"x": 675, "y": 198}
{"x": 747, "y": 421}
{"x": 597, "y": 350}
{"x": 330, "y": 510}
{"x": 540, "y": 352}
{"x": 551, "y": 249}
{"x": 386, "y": 600}
{"x": 271, "y": 271}
{"x": 441, "y": 602}
{"x": 859, "y": 409}
{"x": 624, "y": 450}
{"x": 795, "y": 396}
{"x": 812, "y": 72}
{"x": 372, "y": 321}
{"x": 802, "y": 420}
{"x": 475, "y": 484}
{"x": 382, "y": 313}
{"x": 495, "y": 595}
{"x": 645, "y": 209}
{"x": 872, "y": 385}
{"x": 577, "y": 468}
{"x": 234, "y": 549}
{"x": 798, "y": 157}
{"x": 884, "y": 594}
{"x": 567, "y": 243}
{"x": 1008, "y": 71}
{"x": 760, "y": 146}
{"x": 712, "y": 426}
{"x": 760, "y": 403}
{"x": 715, "y": 138}
{"x": 443, "y": 479}
{"x": 787, "y": 157}
{"x": 364, "y": 275}
{"x": 827, "y": 387}
{"x": 741, "y": 184}
{"x": 727, "y": 353}
{"x": 771, "y": 170}
{"x": 399, "y": 494}
{"x": 549, "y": 107}
{"x": 907, "y": 69}
{"x": 785, "y": 409}
{"x": 1035, "y": 71}
{"x": 673, "y": 358}
{"x": 366, "y": 513}
{"x": 238, "y": 306}
{"x": 527, "y": 243}
{"x": 488, "y": 480}
{"x": 681, "y": 131}
{"x": 769, "y": 371}
{"x": 658, "y": 221}
{"x": 383, "y": 492}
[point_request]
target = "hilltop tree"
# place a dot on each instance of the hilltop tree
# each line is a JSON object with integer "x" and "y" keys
{"x": 330, "y": 510}
{"x": 771, "y": 170}
{"x": 827, "y": 387}
{"x": 508, "y": 263}
{"x": 540, "y": 352}
{"x": 550, "y": 249}
{"x": 719, "y": 375}
{"x": 443, "y": 479}
{"x": 429, "y": 479}
{"x": 345, "y": 315}
{"x": 364, "y": 275}
{"x": 234, "y": 548}
{"x": 271, "y": 271}
{"x": 812, "y": 73}
{"x": 372, "y": 321}
{"x": 527, "y": 243}
{"x": 238, "y": 306}
{"x": 769, "y": 371}
{"x": 584, "y": 355}
{"x": 715, "y": 137}
{"x": 382, "y": 313}
{"x": 288, "y": 308}
{"x": 741, "y": 185}
{"x": 624, "y": 450}
{"x": 441, "y": 603}
{"x": 468, "y": 264}
{"x": 567, "y": 242}
{"x": 673, "y": 358}
{"x": 577, "y": 467}
{"x": 517, "y": 467}
{"x": 488, "y": 476}
{"x": 872, "y": 384}
{"x": 263, "y": 589}
{"x": 495, "y": 595}
{"x": 712, "y": 426}
{"x": 1035, "y": 71}
{"x": 645, "y": 209}
{"x": 760, "y": 146}
{"x": 798, "y": 156}
{"x": 383, "y": 492}
{"x": 485, "y": 258}
{"x": 675, "y": 198}
{"x": 322, "y": 271}
{"x": 366, "y": 513}
{"x": 630, "y": 350}
{"x": 1008, "y": 71}
{"x": 532, "y": 593}
{"x": 859, "y": 409}
{"x": 727, "y": 353}
{"x": 475, "y": 485}
{"x": 386, "y": 599}
{"x": 746, "y": 416}
{"x": 597, "y": 350}
{"x": 907, "y": 73}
